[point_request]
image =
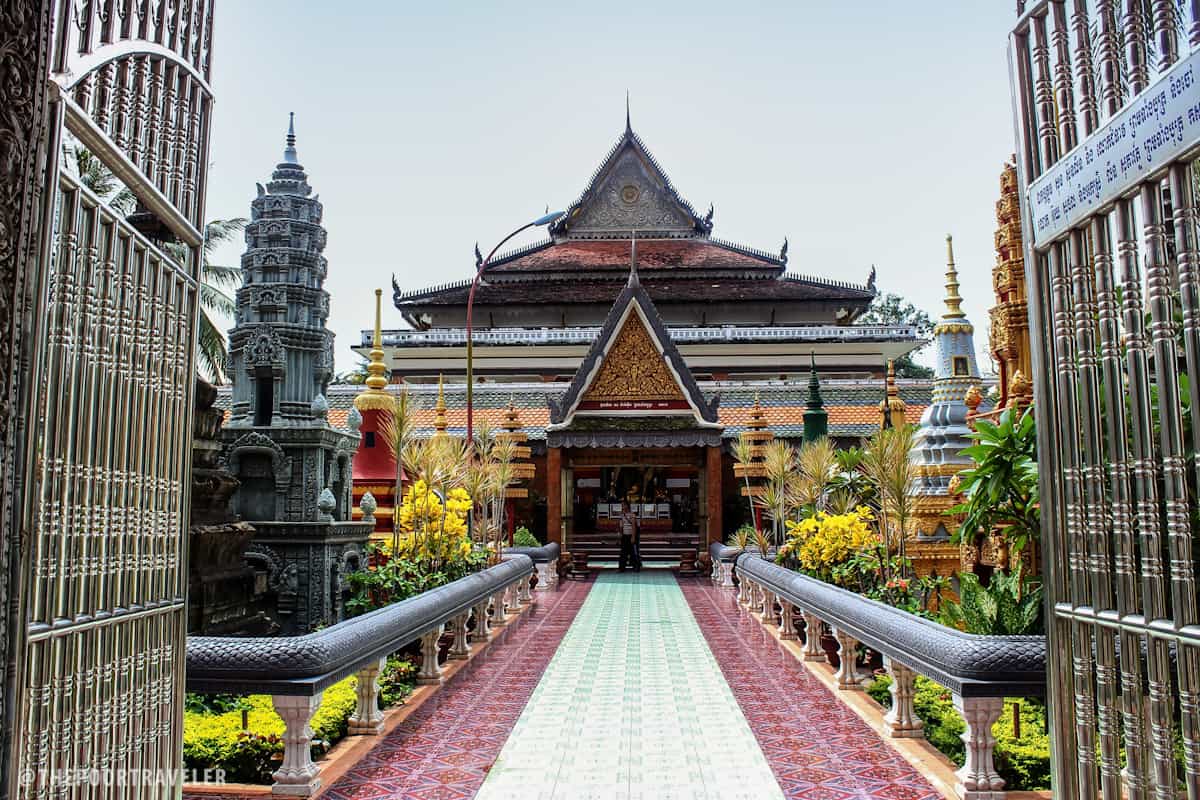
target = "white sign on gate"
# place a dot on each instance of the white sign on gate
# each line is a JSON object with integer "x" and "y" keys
{"x": 1160, "y": 125}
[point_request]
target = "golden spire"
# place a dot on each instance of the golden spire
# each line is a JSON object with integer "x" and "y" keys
{"x": 892, "y": 407}
{"x": 375, "y": 396}
{"x": 439, "y": 417}
{"x": 953, "y": 299}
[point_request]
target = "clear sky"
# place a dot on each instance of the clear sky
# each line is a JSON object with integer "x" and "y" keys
{"x": 862, "y": 132}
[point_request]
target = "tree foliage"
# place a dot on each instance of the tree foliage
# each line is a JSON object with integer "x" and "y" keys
{"x": 892, "y": 309}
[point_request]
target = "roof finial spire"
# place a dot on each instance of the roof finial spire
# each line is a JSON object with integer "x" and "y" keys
{"x": 289, "y": 152}
{"x": 628, "y": 124}
{"x": 953, "y": 299}
{"x": 375, "y": 396}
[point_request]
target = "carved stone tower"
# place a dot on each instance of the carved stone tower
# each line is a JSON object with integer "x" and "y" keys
{"x": 294, "y": 467}
{"x": 943, "y": 432}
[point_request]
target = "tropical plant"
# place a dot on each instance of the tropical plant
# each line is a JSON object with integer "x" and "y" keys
{"x": 96, "y": 176}
{"x": 1008, "y": 605}
{"x": 395, "y": 429}
{"x": 1001, "y": 490}
{"x": 822, "y": 542}
{"x": 886, "y": 462}
{"x": 742, "y": 537}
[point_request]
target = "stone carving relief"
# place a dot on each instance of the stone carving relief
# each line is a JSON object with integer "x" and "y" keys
{"x": 264, "y": 348}
{"x": 630, "y": 198}
{"x": 633, "y": 369}
{"x": 281, "y": 463}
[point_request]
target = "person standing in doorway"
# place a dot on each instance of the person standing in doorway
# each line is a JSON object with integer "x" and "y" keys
{"x": 628, "y": 525}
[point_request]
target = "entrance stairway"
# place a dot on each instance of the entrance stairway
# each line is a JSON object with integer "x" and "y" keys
{"x": 664, "y": 546}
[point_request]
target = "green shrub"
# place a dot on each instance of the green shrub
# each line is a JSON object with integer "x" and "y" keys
{"x": 1023, "y": 763}
{"x": 396, "y": 682}
{"x": 216, "y": 740}
{"x": 523, "y": 538}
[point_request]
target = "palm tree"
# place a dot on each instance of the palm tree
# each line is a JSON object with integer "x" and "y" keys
{"x": 95, "y": 175}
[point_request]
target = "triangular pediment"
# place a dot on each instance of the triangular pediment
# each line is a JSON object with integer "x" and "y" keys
{"x": 630, "y": 192}
{"x": 634, "y": 369}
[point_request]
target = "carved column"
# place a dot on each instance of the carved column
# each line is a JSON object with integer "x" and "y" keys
{"x": 902, "y": 718}
{"x": 524, "y": 596}
{"x": 483, "y": 628}
{"x": 787, "y": 625}
{"x": 978, "y": 779}
{"x": 743, "y": 595}
{"x": 812, "y": 639}
{"x": 766, "y": 610}
{"x": 712, "y": 474}
{"x": 554, "y": 495}
{"x": 431, "y": 670}
{"x": 461, "y": 648}
{"x": 499, "y": 610}
{"x": 726, "y": 575}
{"x": 367, "y": 718}
{"x": 847, "y": 671}
{"x": 30, "y": 136}
{"x": 297, "y": 776}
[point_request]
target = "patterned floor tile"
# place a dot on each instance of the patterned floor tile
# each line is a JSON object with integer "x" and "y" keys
{"x": 818, "y": 748}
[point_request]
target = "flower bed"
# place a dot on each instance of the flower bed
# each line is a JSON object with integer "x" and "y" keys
{"x": 249, "y": 748}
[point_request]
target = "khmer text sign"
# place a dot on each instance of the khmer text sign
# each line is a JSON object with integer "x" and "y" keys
{"x": 1159, "y": 126}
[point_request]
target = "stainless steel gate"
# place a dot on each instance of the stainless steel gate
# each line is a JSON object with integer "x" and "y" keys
{"x": 1105, "y": 105}
{"x": 100, "y": 649}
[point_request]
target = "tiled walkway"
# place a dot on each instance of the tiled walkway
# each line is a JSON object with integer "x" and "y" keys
{"x": 633, "y": 706}
{"x": 443, "y": 750}
{"x": 817, "y": 747}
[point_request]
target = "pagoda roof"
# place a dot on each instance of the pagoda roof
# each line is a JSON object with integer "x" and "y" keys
{"x": 852, "y": 405}
{"x": 653, "y": 254}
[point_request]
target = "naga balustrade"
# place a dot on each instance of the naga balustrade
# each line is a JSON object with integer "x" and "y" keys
{"x": 979, "y": 671}
{"x": 545, "y": 561}
{"x": 295, "y": 670}
{"x": 723, "y": 558}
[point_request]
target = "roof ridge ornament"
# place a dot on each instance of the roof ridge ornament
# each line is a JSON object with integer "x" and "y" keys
{"x": 289, "y": 152}
{"x": 633, "y": 275}
{"x": 628, "y": 124}
{"x": 783, "y": 251}
{"x": 953, "y": 298}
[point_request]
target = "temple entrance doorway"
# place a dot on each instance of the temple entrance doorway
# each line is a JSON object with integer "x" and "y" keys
{"x": 664, "y": 487}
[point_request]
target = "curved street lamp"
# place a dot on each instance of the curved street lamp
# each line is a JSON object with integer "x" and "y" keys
{"x": 545, "y": 219}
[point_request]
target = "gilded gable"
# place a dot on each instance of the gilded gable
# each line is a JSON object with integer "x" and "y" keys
{"x": 634, "y": 370}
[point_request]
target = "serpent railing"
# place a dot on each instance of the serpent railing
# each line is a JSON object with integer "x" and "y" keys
{"x": 295, "y": 670}
{"x": 979, "y": 671}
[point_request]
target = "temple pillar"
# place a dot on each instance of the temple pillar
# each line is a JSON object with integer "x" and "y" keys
{"x": 554, "y": 495}
{"x": 712, "y": 472}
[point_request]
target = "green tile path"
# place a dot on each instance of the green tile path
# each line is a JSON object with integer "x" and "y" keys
{"x": 633, "y": 705}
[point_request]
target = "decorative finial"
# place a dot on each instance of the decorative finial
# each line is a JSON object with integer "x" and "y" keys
{"x": 289, "y": 152}
{"x": 816, "y": 419}
{"x": 953, "y": 299}
{"x": 892, "y": 407}
{"x": 871, "y": 278}
{"x": 375, "y": 396}
{"x": 708, "y": 219}
{"x": 439, "y": 416}
{"x": 478, "y": 257}
{"x": 633, "y": 276}
{"x": 628, "y": 124}
{"x": 783, "y": 251}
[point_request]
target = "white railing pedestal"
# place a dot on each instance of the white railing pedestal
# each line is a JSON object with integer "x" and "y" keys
{"x": 460, "y": 649}
{"x": 499, "y": 611}
{"x": 547, "y": 576}
{"x": 766, "y": 611}
{"x": 902, "y": 719}
{"x": 978, "y": 779}
{"x": 847, "y": 675}
{"x": 743, "y": 594}
{"x": 430, "y": 673}
{"x": 812, "y": 639}
{"x": 297, "y": 776}
{"x": 787, "y": 624}
{"x": 483, "y": 627}
{"x": 367, "y": 719}
{"x": 524, "y": 595}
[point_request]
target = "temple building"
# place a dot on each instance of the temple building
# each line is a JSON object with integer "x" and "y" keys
{"x": 634, "y": 344}
{"x": 293, "y": 467}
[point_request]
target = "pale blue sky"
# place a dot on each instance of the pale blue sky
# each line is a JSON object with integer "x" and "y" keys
{"x": 864, "y": 133}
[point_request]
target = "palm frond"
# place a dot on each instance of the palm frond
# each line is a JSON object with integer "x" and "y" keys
{"x": 215, "y": 300}
{"x": 210, "y": 349}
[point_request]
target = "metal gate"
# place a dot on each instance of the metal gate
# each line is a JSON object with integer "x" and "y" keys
{"x": 100, "y": 650}
{"x": 1107, "y": 117}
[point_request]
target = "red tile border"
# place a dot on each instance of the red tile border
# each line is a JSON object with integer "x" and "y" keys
{"x": 817, "y": 746}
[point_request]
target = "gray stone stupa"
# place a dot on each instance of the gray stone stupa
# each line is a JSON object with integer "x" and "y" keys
{"x": 294, "y": 468}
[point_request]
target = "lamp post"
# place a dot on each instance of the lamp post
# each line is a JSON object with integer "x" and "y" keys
{"x": 545, "y": 219}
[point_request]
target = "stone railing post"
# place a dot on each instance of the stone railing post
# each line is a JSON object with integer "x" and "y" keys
{"x": 812, "y": 639}
{"x": 524, "y": 595}
{"x": 978, "y": 779}
{"x": 715, "y": 573}
{"x": 367, "y": 719}
{"x": 483, "y": 626}
{"x": 460, "y": 649}
{"x": 297, "y": 776}
{"x": 499, "y": 611}
{"x": 787, "y": 624}
{"x": 766, "y": 611}
{"x": 430, "y": 672}
{"x": 743, "y": 595}
{"x": 726, "y": 575}
{"x": 847, "y": 671}
{"x": 902, "y": 718}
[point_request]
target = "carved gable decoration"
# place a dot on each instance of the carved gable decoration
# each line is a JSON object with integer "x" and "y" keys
{"x": 633, "y": 374}
{"x": 264, "y": 348}
{"x": 630, "y": 196}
